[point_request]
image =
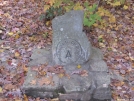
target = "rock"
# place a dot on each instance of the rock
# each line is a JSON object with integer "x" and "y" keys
{"x": 102, "y": 79}
{"x": 38, "y": 90}
{"x": 99, "y": 65}
{"x": 102, "y": 82}
{"x": 70, "y": 48}
{"x": 74, "y": 96}
{"x": 77, "y": 96}
{"x": 96, "y": 54}
{"x": 76, "y": 83}
{"x": 41, "y": 56}
{"x": 102, "y": 93}
{"x": 70, "y": 44}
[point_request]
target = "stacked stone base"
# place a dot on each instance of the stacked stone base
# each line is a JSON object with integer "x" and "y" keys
{"x": 93, "y": 87}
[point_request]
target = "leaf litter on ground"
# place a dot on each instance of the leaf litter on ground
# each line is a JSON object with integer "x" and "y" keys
{"x": 21, "y": 31}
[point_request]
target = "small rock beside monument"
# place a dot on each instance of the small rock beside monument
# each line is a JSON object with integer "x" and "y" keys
{"x": 81, "y": 73}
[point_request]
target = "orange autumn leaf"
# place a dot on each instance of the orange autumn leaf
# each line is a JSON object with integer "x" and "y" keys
{"x": 25, "y": 98}
{"x": 33, "y": 82}
{"x": 84, "y": 73}
{"x": 46, "y": 7}
{"x": 17, "y": 54}
{"x": 132, "y": 88}
{"x": 51, "y": 2}
{"x": 119, "y": 83}
{"x": 25, "y": 68}
{"x": 45, "y": 81}
{"x": 9, "y": 86}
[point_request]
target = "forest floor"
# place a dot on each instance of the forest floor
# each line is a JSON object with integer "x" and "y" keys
{"x": 21, "y": 30}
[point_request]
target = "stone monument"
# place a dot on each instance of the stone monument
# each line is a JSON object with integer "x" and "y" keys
{"x": 70, "y": 49}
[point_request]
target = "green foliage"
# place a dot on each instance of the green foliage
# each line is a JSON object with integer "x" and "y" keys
{"x": 90, "y": 21}
{"x": 45, "y": 35}
{"x": 115, "y": 3}
{"x": 107, "y": 18}
{"x": 90, "y": 17}
{"x": 59, "y": 7}
{"x": 53, "y": 11}
{"x": 42, "y": 17}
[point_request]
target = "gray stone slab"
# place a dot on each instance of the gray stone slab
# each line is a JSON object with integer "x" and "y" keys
{"x": 101, "y": 79}
{"x": 41, "y": 56}
{"x": 102, "y": 83}
{"x": 102, "y": 93}
{"x": 99, "y": 65}
{"x": 96, "y": 54}
{"x": 40, "y": 94}
{"x": 77, "y": 96}
{"x": 76, "y": 83}
{"x": 37, "y": 88}
{"x": 70, "y": 44}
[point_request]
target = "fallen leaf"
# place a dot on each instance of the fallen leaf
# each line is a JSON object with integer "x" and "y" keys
{"x": 42, "y": 73}
{"x": 84, "y": 73}
{"x": 46, "y": 7}
{"x": 33, "y": 82}
{"x": 47, "y": 23}
{"x": 125, "y": 7}
{"x": 25, "y": 98}
{"x": 17, "y": 36}
{"x": 100, "y": 36}
{"x": 101, "y": 44}
{"x": 78, "y": 66}
{"x": 10, "y": 33}
{"x": 9, "y": 86}
{"x": 123, "y": 71}
{"x": 117, "y": 3}
{"x": 112, "y": 19}
{"x": 8, "y": 47}
{"x": 119, "y": 83}
{"x": 131, "y": 58}
{"x": 78, "y": 6}
{"x": 46, "y": 80}
{"x": 51, "y": 2}
{"x": 1, "y": 91}
{"x": 61, "y": 75}
{"x": 35, "y": 69}
{"x": 25, "y": 68}
{"x": 17, "y": 54}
